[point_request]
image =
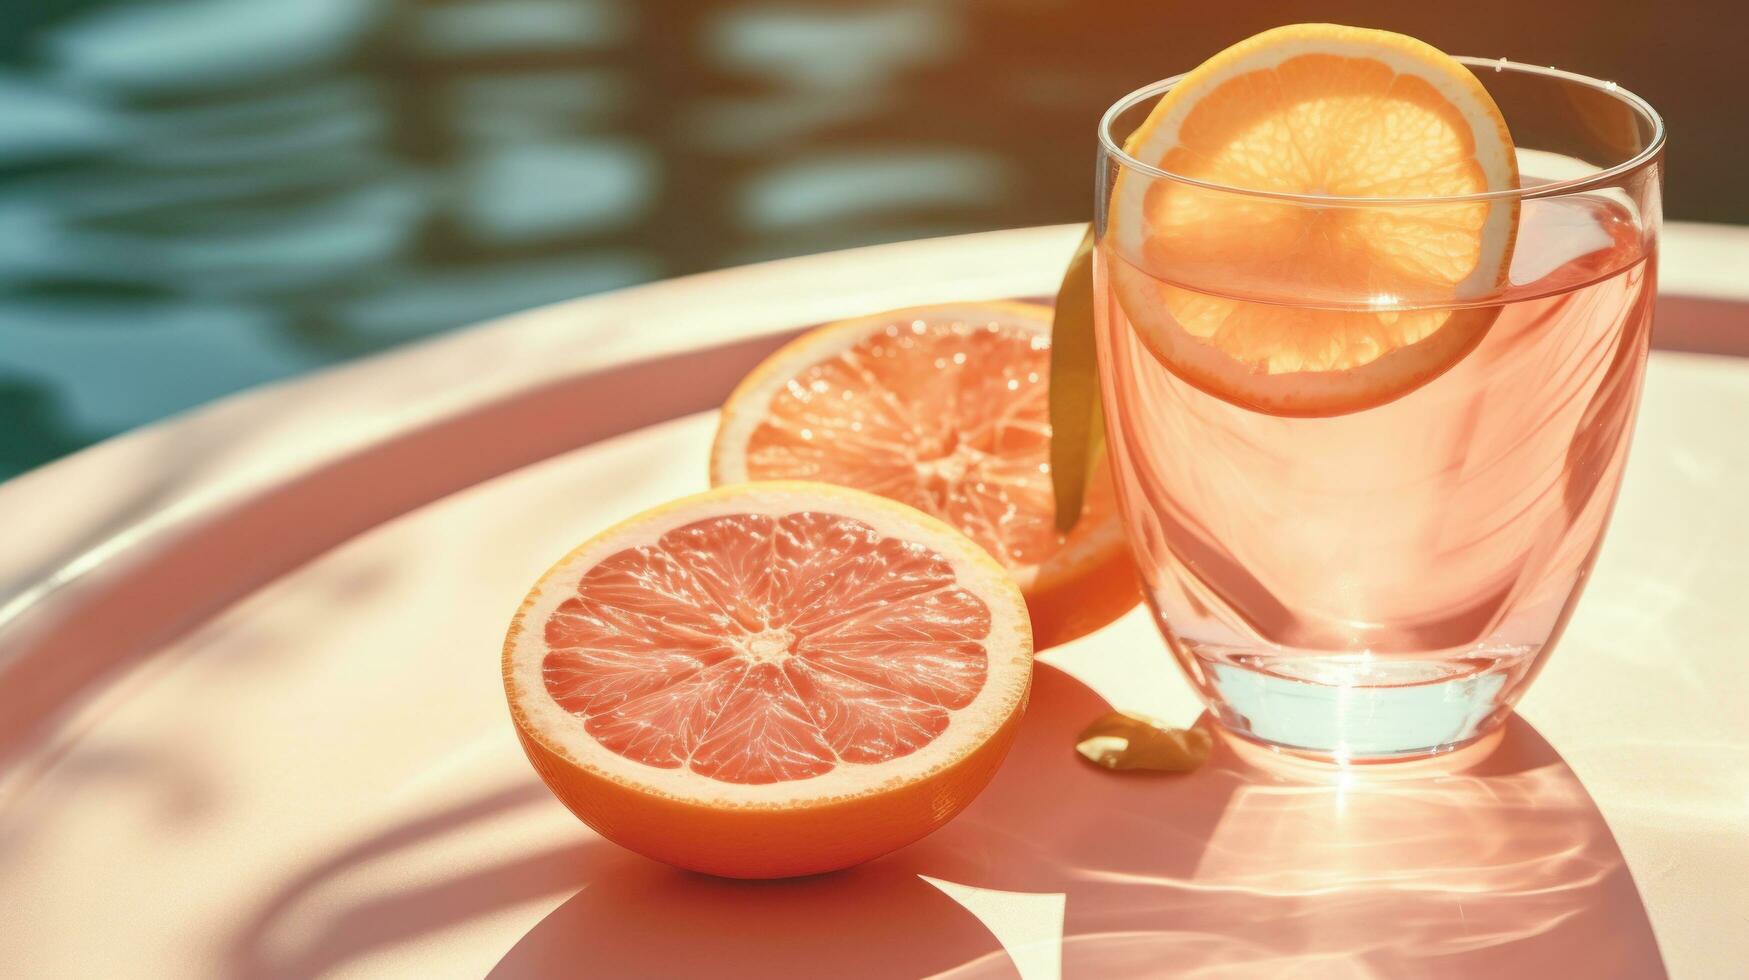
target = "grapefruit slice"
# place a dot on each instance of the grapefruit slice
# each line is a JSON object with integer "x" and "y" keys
{"x": 769, "y": 679}
{"x": 944, "y": 408}
{"x": 1343, "y": 319}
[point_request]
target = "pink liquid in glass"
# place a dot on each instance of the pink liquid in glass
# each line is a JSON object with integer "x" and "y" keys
{"x": 1413, "y": 561}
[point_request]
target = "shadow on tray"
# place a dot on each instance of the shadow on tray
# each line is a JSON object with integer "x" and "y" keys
{"x": 1505, "y": 870}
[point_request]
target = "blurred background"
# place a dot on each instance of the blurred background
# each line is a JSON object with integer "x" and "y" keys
{"x": 197, "y": 196}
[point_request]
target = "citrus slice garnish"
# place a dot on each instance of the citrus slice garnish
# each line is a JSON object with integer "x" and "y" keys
{"x": 1291, "y": 308}
{"x": 769, "y": 679}
{"x": 944, "y": 408}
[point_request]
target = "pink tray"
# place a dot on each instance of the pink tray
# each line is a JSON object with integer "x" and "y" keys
{"x": 251, "y": 723}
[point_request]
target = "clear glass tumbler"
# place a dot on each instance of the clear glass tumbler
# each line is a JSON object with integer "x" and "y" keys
{"x": 1381, "y": 582}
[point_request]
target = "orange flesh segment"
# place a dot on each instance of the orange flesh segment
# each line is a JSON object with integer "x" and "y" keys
{"x": 1252, "y": 132}
{"x": 1327, "y": 124}
{"x": 756, "y": 649}
{"x": 1276, "y": 114}
{"x": 949, "y": 417}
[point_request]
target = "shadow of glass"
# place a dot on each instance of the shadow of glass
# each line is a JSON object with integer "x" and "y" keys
{"x": 1501, "y": 869}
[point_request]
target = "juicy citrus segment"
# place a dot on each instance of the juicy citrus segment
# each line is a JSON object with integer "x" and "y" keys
{"x": 775, "y": 655}
{"x": 1314, "y": 109}
{"x": 753, "y": 648}
{"x": 946, "y": 409}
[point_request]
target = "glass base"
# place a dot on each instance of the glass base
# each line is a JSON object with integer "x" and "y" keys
{"x": 1359, "y": 707}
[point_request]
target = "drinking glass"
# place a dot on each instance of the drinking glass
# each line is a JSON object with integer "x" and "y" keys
{"x": 1384, "y": 583}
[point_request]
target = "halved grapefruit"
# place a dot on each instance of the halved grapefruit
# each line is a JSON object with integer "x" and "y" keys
{"x": 944, "y": 408}
{"x": 1241, "y": 282}
{"x": 769, "y": 679}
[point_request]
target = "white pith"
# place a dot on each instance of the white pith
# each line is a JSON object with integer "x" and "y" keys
{"x": 1008, "y": 648}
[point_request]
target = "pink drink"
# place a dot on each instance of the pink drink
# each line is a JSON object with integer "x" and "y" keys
{"x": 1413, "y": 561}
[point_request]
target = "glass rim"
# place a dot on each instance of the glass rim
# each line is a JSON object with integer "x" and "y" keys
{"x": 1111, "y": 147}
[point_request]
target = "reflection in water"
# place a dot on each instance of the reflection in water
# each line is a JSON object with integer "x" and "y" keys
{"x": 200, "y": 195}
{"x": 1504, "y": 869}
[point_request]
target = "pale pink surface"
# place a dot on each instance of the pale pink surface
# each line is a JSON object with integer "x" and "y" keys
{"x": 260, "y": 731}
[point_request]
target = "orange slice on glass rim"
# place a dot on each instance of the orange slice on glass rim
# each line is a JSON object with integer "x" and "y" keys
{"x": 1272, "y": 302}
{"x": 944, "y": 408}
{"x": 770, "y": 679}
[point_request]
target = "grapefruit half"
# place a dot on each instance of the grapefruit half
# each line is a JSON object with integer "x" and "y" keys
{"x": 769, "y": 679}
